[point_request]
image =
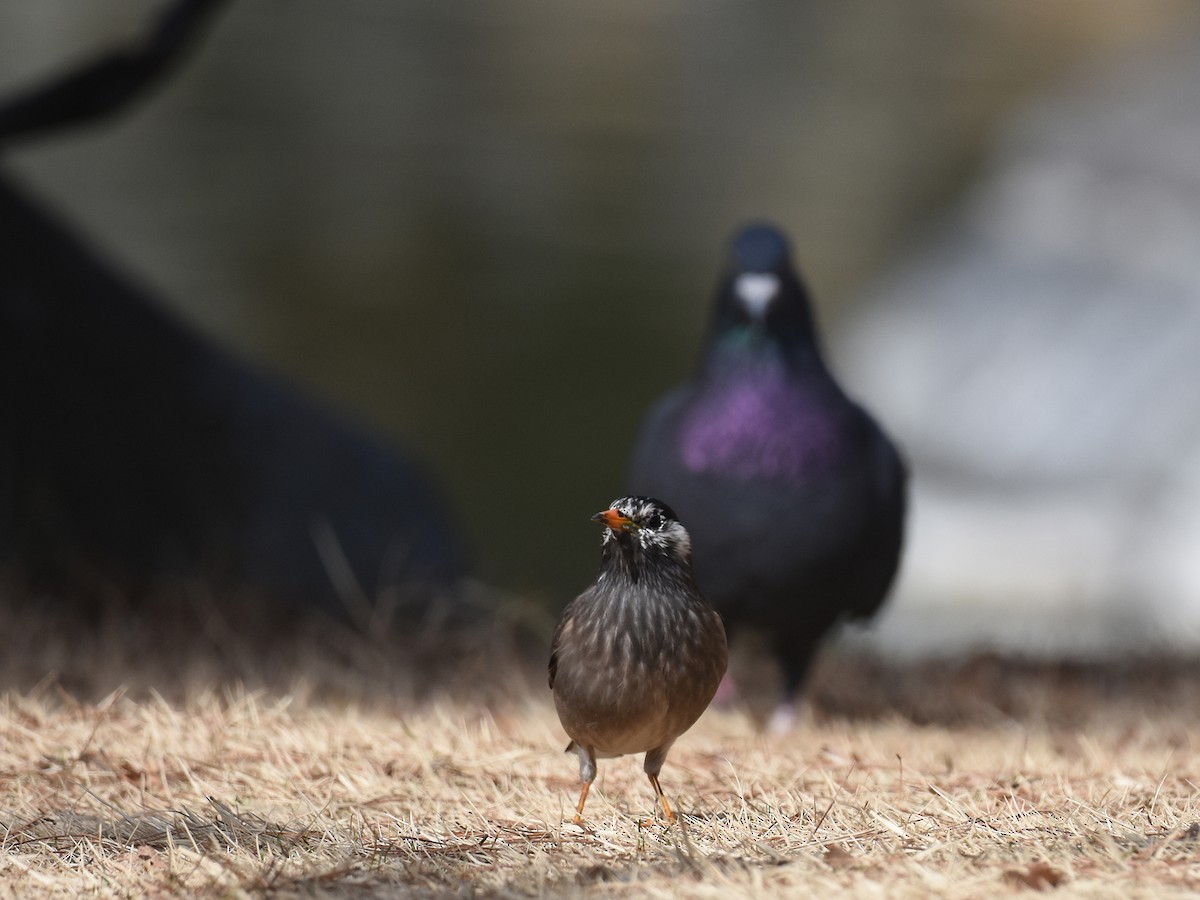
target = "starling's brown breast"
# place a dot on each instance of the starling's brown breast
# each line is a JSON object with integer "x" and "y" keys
{"x": 635, "y": 665}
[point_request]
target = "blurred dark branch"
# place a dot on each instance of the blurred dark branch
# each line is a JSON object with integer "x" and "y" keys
{"x": 103, "y": 87}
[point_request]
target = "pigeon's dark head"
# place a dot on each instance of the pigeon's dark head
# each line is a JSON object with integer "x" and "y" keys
{"x": 642, "y": 531}
{"x": 760, "y": 292}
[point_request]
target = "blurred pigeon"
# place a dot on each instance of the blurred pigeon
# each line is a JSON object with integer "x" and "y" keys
{"x": 794, "y": 496}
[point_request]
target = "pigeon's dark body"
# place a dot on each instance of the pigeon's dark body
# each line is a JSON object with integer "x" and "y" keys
{"x": 638, "y": 656}
{"x": 794, "y": 495}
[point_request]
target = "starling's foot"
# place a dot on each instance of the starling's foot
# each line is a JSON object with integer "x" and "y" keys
{"x": 658, "y": 821}
{"x": 580, "y": 826}
{"x": 583, "y": 792}
{"x": 668, "y": 813}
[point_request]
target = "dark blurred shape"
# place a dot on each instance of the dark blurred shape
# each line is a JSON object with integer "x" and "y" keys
{"x": 1040, "y": 357}
{"x": 102, "y": 87}
{"x": 793, "y": 495}
{"x": 135, "y": 455}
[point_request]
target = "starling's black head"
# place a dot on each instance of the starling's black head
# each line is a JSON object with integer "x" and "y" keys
{"x": 645, "y": 528}
{"x": 761, "y": 292}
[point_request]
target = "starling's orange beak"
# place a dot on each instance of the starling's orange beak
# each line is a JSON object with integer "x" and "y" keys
{"x": 614, "y": 520}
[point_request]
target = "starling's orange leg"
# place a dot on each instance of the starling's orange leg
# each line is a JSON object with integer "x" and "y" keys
{"x": 587, "y": 786}
{"x": 662, "y": 797}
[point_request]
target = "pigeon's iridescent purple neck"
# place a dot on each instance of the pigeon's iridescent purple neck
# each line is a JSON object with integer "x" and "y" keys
{"x": 752, "y": 421}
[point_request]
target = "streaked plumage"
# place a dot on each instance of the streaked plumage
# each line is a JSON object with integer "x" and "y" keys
{"x": 638, "y": 656}
{"x": 795, "y": 495}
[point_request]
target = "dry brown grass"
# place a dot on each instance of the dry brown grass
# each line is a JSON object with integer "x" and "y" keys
{"x": 1076, "y": 780}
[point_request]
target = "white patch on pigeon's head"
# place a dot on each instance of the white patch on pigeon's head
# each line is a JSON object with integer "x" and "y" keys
{"x": 756, "y": 290}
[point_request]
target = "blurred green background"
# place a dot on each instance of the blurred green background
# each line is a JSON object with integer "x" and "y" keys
{"x": 491, "y": 229}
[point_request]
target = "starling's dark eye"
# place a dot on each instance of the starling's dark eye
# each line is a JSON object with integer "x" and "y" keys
{"x": 654, "y": 521}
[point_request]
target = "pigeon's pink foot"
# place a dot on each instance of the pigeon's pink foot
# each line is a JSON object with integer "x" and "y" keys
{"x": 727, "y": 692}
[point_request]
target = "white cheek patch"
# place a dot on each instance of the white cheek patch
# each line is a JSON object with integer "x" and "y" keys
{"x": 683, "y": 546}
{"x": 679, "y": 541}
{"x": 756, "y": 290}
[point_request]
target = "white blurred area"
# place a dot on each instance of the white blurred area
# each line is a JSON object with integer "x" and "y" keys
{"x": 1039, "y": 358}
